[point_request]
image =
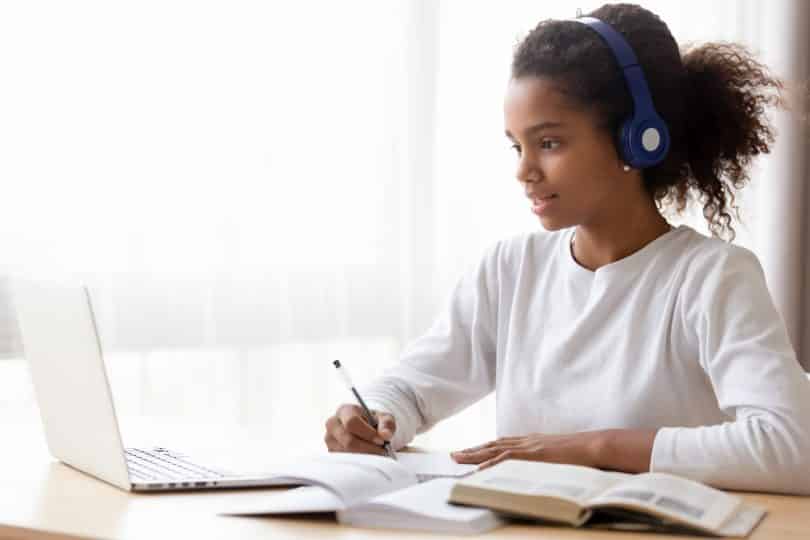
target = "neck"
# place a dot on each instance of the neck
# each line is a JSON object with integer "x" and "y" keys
{"x": 597, "y": 245}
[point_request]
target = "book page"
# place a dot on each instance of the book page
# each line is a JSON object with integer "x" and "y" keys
{"x": 569, "y": 482}
{"x": 743, "y": 521}
{"x": 673, "y": 497}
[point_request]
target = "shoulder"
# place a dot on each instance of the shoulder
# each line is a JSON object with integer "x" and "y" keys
{"x": 718, "y": 277}
{"x": 708, "y": 261}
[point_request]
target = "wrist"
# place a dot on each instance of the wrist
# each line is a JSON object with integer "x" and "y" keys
{"x": 625, "y": 450}
{"x": 599, "y": 447}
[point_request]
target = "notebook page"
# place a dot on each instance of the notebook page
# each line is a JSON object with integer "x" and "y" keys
{"x": 307, "y": 499}
{"x": 353, "y": 477}
{"x": 423, "y": 507}
{"x": 333, "y": 481}
{"x": 429, "y": 465}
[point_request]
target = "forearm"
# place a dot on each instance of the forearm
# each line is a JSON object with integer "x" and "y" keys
{"x": 625, "y": 450}
{"x": 760, "y": 452}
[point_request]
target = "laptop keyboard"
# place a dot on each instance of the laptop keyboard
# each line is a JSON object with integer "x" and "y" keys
{"x": 164, "y": 465}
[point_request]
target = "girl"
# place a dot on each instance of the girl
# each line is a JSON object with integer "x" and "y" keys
{"x": 612, "y": 339}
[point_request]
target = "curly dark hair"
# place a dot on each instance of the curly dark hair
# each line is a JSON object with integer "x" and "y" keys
{"x": 713, "y": 98}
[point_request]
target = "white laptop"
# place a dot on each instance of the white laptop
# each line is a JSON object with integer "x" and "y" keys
{"x": 63, "y": 351}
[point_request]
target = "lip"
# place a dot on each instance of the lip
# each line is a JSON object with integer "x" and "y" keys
{"x": 539, "y": 196}
{"x": 540, "y": 204}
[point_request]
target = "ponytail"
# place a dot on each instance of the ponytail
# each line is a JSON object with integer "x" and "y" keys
{"x": 727, "y": 93}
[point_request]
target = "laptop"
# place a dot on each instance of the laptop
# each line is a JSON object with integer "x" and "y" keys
{"x": 62, "y": 347}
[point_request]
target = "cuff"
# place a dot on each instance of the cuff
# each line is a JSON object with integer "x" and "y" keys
{"x": 407, "y": 419}
{"x": 674, "y": 453}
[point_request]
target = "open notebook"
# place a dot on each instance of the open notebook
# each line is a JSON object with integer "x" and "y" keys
{"x": 374, "y": 491}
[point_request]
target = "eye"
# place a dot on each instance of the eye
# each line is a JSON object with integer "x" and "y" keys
{"x": 516, "y": 147}
{"x": 549, "y": 144}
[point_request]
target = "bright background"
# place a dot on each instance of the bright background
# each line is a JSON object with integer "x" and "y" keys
{"x": 252, "y": 189}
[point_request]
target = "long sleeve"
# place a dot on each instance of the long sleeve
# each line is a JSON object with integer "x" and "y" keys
{"x": 745, "y": 351}
{"x": 452, "y": 365}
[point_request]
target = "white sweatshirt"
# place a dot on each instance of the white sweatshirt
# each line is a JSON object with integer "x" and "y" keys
{"x": 681, "y": 336}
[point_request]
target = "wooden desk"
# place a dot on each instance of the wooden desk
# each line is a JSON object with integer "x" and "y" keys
{"x": 40, "y": 498}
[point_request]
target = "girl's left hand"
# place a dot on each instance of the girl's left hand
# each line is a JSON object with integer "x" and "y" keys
{"x": 574, "y": 449}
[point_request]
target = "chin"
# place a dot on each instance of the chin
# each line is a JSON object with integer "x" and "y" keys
{"x": 552, "y": 225}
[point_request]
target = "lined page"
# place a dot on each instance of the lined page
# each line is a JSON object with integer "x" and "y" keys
{"x": 421, "y": 507}
{"x": 429, "y": 465}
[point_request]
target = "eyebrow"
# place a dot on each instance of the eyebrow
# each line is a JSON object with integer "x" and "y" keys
{"x": 537, "y": 127}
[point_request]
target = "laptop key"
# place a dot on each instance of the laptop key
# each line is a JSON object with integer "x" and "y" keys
{"x": 162, "y": 464}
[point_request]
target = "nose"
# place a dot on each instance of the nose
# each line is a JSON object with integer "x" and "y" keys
{"x": 527, "y": 172}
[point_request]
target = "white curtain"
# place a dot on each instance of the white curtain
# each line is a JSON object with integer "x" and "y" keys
{"x": 783, "y": 228}
{"x": 219, "y": 173}
{"x": 252, "y": 189}
{"x": 242, "y": 185}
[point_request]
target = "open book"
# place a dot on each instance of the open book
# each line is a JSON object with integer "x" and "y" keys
{"x": 374, "y": 491}
{"x": 584, "y": 496}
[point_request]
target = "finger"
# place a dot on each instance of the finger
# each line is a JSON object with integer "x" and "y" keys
{"x": 480, "y": 447}
{"x": 346, "y": 411}
{"x": 476, "y": 457}
{"x": 331, "y": 424}
{"x": 511, "y": 442}
{"x": 333, "y": 427}
{"x": 503, "y": 456}
{"x": 331, "y": 443}
{"x": 354, "y": 421}
{"x": 503, "y": 442}
{"x": 349, "y": 443}
{"x": 358, "y": 427}
{"x": 387, "y": 425}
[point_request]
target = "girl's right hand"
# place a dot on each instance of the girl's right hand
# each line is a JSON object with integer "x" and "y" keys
{"x": 348, "y": 431}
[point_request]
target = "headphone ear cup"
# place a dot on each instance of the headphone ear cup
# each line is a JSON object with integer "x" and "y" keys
{"x": 654, "y": 142}
{"x": 644, "y": 143}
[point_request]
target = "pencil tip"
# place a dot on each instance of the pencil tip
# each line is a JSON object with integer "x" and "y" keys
{"x": 336, "y": 363}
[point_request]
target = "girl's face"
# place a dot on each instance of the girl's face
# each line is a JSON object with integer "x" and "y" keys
{"x": 567, "y": 164}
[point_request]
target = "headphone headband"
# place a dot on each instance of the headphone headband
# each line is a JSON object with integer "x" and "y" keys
{"x": 621, "y": 49}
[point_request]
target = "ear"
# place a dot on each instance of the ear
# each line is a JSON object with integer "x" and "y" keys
{"x": 617, "y": 146}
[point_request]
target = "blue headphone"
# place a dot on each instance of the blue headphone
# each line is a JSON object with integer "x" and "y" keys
{"x": 644, "y": 138}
